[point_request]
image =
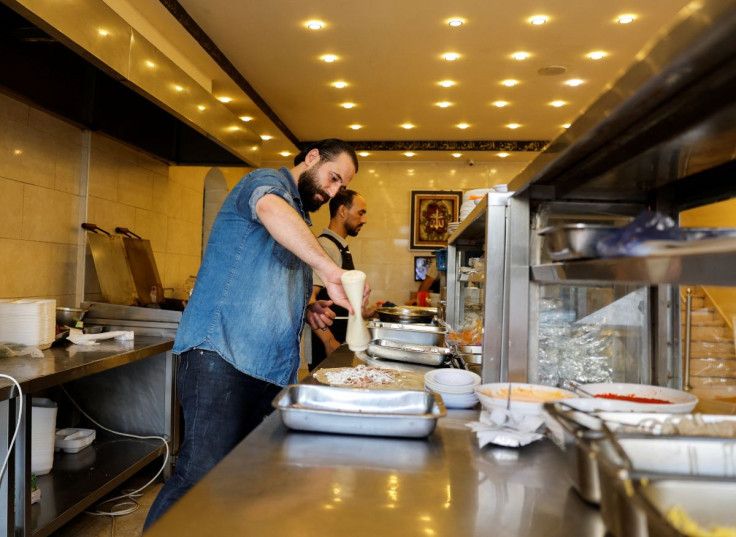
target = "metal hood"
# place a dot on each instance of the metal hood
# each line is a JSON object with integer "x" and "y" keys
{"x": 96, "y": 70}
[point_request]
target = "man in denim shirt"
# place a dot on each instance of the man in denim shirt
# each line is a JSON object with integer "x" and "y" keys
{"x": 238, "y": 339}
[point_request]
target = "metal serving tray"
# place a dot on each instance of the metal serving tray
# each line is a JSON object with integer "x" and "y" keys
{"x": 408, "y": 352}
{"x": 574, "y": 241}
{"x": 329, "y": 409}
{"x": 422, "y": 334}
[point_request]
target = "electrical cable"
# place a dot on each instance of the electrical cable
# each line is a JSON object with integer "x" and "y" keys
{"x": 17, "y": 425}
{"x": 129, "y": 504}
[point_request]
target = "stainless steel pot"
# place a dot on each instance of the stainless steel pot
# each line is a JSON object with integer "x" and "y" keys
{"x": 407, "y": 314}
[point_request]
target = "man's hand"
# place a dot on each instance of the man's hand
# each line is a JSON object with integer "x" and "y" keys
{"x": 334, "y": 288}
{"x": 319, "y": 315}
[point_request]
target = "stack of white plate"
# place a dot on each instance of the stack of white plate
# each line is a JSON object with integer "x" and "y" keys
{"x": 452, "y": 226}
{"x": 29, "y": 322}
{"x": 456, "y": 386}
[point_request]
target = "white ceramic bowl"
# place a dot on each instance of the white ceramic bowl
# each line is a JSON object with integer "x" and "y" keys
{"x": 443, "y": 389}
{"x": 679, "y": 402}
{"x": 458, "y": 381}
{"x": 459, "y": 401}
{"x": 525, "y": 398}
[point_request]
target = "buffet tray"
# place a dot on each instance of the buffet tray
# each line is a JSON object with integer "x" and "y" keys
{"x": 574, "y": 241}
{"x": 408, "y": 352}
{"x": 422, "y": 334}
{"x": 329, "y": 409}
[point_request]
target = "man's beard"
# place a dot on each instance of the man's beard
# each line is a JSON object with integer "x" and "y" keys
{"x": 309, "y": 189}
{"x": 353, "y": 231}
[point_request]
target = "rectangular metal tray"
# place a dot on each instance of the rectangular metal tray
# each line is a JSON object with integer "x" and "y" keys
{"x": 408, "y": 352}
{"x": 329, "y": 409}
{"x": 422, "y": 334}
{"x": 574, "y": 241}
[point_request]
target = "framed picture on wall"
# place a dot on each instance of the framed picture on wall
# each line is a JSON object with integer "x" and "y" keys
{"x": 431, "y": 214}
{"x": 421, "y": 266}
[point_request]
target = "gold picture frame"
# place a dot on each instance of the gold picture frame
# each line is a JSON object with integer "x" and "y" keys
{"x": 431, "y": 214}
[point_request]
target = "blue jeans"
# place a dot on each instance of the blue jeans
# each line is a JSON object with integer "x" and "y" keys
{"x": 221, "y": 406}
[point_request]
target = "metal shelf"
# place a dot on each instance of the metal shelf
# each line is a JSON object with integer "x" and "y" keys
{"x": 684, "y": 269}
{"x": 78, "y": 480}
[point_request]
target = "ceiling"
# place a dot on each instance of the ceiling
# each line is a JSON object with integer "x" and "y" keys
{"x": 263, "y": 57}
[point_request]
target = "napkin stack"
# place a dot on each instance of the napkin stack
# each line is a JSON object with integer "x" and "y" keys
{"x": 509, "y": 429}
{"x": 28, "y": 322}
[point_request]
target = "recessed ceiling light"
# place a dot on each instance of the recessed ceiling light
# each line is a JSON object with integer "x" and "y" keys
{"x": 503, "y": 154}
{"x": 520, "y": 55}
{"x": 513, "y": 125}
{"x": 500, "y": 104}
{"x": 285, "y": 153}
{"x": 566, "y": 126}
{"x": 462, "y": 126}
{"x": 409, "y": 154}
{"x": 446, "y": 83}
{"x": 224, "y": 99}
{"x": 558, "y": 104}
{"x": 443, "y": 104}
{"x": 450, "y": 56}
{"x": 509, "y": 82}
{"x": 538, "y": 20}
{"x": 348, "y": 105}
{"x": 17, "y": 151}
{"x": 329, "y": 58}
{"x": 315, "y": 25}
{"x": 364, "y": 153}
{"x": 150, "y": 64}
{"x": 407, "y": 126}
{"x": 597, "y": 55}
{"x": 340, "y": 84}
{"x": 246, "y": 118}
{"x": 266, "y": 137}
{"x": 201, "y": 108}
{"x": 625, "y": 19}
{"x": 457, "y": 155}
{"x": 573, "y": 82}
{"x": 177, "y": 87}
{"x": 456, "y": 22}
{"x": 356, "y": 127}
{"x": 103, "y": 32}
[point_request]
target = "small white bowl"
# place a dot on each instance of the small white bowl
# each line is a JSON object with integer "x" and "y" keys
{"x": 525, "y": 398}
{"x": 459, "y": 401}
{"x": 454, "y": 378}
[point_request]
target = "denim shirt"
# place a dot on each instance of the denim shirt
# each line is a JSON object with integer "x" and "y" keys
{"x": 251, "y": 293}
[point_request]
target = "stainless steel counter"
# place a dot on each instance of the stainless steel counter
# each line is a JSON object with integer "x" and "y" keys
{"x": 281, "y": 483}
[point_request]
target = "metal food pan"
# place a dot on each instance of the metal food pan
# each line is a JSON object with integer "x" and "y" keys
{"x": 707, "y": 502}
{"x": 574, "y": 241}
{"x": 422, "y": 334}
{"x": 408, "y": 352}
{"x": 329, "y": 409}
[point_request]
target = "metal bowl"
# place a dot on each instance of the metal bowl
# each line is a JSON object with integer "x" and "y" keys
{"x": 407, "y": 314}
{"x": 69, "y": 316}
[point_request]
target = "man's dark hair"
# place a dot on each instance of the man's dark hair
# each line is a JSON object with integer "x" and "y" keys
{"x": 329, "y": 150}
{"x": 343, "y": 197}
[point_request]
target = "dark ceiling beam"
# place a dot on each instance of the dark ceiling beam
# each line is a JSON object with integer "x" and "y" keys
{"x": 446, "y": 145}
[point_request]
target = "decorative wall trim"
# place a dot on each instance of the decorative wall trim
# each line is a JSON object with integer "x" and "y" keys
{"x": 446, "y": 145}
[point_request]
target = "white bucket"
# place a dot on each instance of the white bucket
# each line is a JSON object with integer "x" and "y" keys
{"x": 43, "y": 435}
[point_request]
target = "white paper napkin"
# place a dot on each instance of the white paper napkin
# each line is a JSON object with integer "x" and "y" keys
{"x": 508, "y": 429}
{"x": 78, "y": 338}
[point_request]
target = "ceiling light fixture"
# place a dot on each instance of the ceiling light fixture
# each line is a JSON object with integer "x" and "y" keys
{"x": 285, "y": 153}
{"x": 409, "y": 154}
{"x": 233, "y": 128}
{"x": 456, "y": 22}
{"x": 315, "y": 25}
{"x": 503, "y": 154}
{"x": 177, "y": 87}
{"x": 446, "y": 83}
{"x": 500, "y": 104}
{"x": 266, "y": 137}
{"x": 558, "y": 104}
{"x": 364, "y": 153}
{"x": 103, "y": 32}
{"x": 246, "y": 118}
{"x": 356, "y": 127}
{"x": 329, "y": 58}
{"x": 201, "y": 108}
{"x": 538, "y": 20}
{"x": 566, "y": 126}
{"x": 340, "y": 84}
{"x": 450, "y": 56}
{"x": 573, "y": 82}
{"x": 520, "y": 55}
{"x": 150, "y": 64}
{"x": 348, "y": 105}
{"x": 407, "y": 126}
{"x": 625, "y": 19}
{"x": 224, "y": 99}
{"x": 597, "y": 55}
{"x": 509, "y": 82}
{"x": 443, "y": 104}
{"x": 457, "y": 155}
{"x": 513, "y": 125}
{"x": 462, "y": 126}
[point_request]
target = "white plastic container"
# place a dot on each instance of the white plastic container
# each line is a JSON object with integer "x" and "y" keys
{"x": 73, "y": 440}
{"x": 43, "y": 429}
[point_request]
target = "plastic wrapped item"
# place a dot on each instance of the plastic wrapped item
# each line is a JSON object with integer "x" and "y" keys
{"x": 648, "y": 226}
{"x": 9, "y": 350}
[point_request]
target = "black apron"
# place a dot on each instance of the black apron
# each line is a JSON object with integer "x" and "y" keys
{"x": 339, "y": 326}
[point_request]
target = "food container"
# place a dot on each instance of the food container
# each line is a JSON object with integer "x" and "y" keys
{"x": 69, "y": 316}
{"x": 328, "y": 409}
{"x": 408, "y": 352}
{"x": 525, "y": 398}
{"x": 73, "y": 440}
{"x": 678, "y": 401}
{"x": 706, "y": 502}
{"x": 423, "y": 334}
{"x": 407, "y": 314}
{"x": 574, "y": 241}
